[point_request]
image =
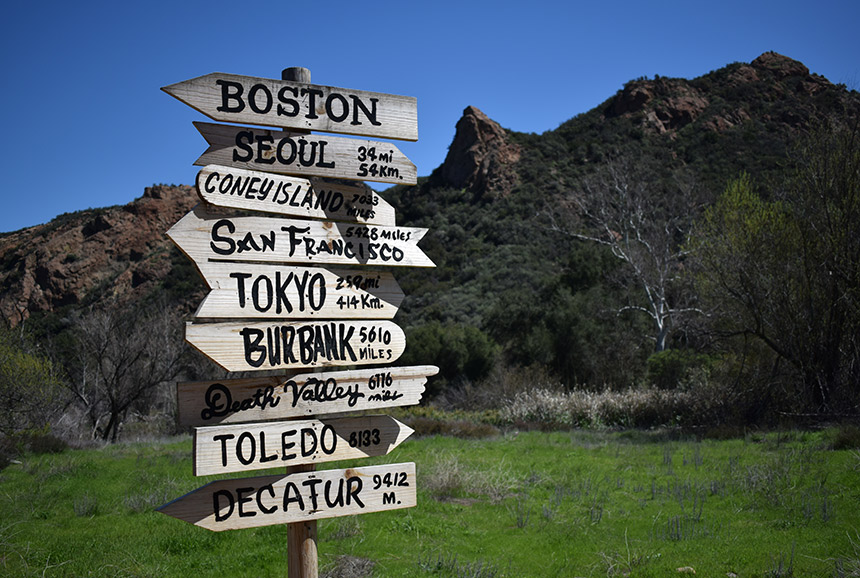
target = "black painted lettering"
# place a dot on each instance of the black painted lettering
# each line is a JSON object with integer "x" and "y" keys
{"x": 313, "y": 93}
{"x": 240, "y": 286}
{"x": 369, "y": 114}
{"x": 263, "y": 154}
{"x": 241, "y": 499}
{"x": 240, "y": 454}
{"x": 230, "y": 92}
{"x": 291, "y": 107}
{"x": 343, "y": 105}
{"x": 260, "y": 505}
{"x": 223, "y": 439}
{"x": 255, "y": 354}
{"x": 267, "y": 99}
{"x": 216, "y": 504}
{"x": 229, "y": 245}
{"x": 244, "y": 140}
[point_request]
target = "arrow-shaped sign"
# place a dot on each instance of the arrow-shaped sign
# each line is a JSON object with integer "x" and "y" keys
{"x": 305, "y": 154}
{"x": 203, "y": 234}
{"x": 237, "y": 448}
{"x": 267, "y": 500}
{"x": 297, "y": 197}
{"x": 258, "y": 346}
{"x": 280, "y": 397}
{"x": 263, "y": 291}
{"x": 267, "y": 102}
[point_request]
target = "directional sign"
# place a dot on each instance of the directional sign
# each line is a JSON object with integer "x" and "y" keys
{"x": 283, "y": 499}
{"x": 270, "y": 193}
{"x": 267, "y": 102}
{"x": 262, "y": 291}
{"x": 257, "y": 346}
{"x": 238, "y": 448}
{"x": 203, "y": 234}
{"x": 305, "y": 154}
{"x": 302, "y": 395}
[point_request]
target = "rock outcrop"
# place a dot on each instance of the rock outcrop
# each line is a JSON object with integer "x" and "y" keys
{"x": 118, "y": 254}
{"x": 481, "y": 157}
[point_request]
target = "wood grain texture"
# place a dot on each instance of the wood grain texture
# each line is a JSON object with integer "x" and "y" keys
{"x": 264, "y": 291}
{"x": 282, "y": 499}
{"x": 205, "y": 234}
{"x": 305, "y": 154}
{"x": 289, "y": 104}
{"x": 300, "y": 394}
{"x": 292, "y": 196}
{"x": 250, "y": 346}
{"x": 244, "y": 447}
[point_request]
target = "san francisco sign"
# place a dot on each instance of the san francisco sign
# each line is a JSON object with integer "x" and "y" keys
{"x": 281, "y": 103}
{"x": 203, "y": 234}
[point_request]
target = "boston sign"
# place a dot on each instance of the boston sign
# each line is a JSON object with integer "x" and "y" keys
{"x": 280, "y": 103}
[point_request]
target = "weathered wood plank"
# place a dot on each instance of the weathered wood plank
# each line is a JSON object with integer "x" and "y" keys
{"x": 300, "y": 395}
{"x": 238, "y": 448}
{"x": 280, "y": 103}
{"x": 249, "y": 346}
{"x": 305, "y": 154}
{"x": 268, "y": 500}
{"x": 314, "y": 199}
{"x": 264, "y": 291}
{"x": 205, "y": 234}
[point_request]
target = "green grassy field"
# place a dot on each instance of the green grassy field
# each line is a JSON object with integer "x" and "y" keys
{"x": 519, "y": 504}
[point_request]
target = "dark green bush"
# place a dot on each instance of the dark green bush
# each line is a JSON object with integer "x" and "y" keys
{"x": 673, "y": 367}
{"x": 460, "y": 352}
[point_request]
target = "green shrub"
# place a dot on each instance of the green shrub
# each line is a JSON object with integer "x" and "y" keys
{"x": 673, "y": 367}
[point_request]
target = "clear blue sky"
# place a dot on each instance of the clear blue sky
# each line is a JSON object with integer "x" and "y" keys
{"x": 87, "y": 126}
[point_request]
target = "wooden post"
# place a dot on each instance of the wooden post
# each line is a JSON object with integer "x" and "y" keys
{"x": 302, "y": 560}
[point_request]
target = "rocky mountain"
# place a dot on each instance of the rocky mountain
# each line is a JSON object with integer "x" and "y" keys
{"x": 115, "y": 254}
{"x": 485, "y": 206}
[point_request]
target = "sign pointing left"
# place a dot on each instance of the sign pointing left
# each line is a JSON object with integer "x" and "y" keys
{"x": 267, "y": 102}
{"x": 267, "y": 500}
{"x": 203, "y": 234}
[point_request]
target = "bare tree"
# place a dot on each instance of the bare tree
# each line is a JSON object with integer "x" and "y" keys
{"x": 623, "y": 207}
{"x": 121, "y": 356}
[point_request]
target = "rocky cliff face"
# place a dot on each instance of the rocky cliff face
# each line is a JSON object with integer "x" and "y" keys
{"x": 115, "y": 254}
{"x": 481, "y": 157}
{"x": 665, "y": 105}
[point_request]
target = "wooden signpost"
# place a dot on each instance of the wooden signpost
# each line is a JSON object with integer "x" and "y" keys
{"x": 240, "y": 447}
{"x": 305, "y": 154}
{"x": 268, "y": 102}
{"x": 266, "y": 291}
{"x": 274, "y": 303}
{"x": 253, "y": 346}
{"x": 300, "y": 395}
{"x": 269, "y": 193}
{"x": 279, "y": 499}
{"x": 204, "y": 234}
